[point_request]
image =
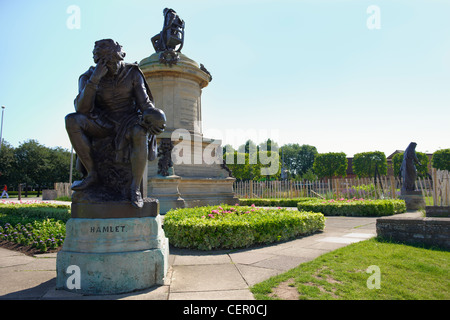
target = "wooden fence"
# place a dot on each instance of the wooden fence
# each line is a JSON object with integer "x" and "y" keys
{"x": 63, "y": 189}
{"x": 436, "y": 190}
{"x": 440, "y": 190}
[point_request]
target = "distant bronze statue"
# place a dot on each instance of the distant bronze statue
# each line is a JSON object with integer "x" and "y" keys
{"x": 113, "y": 129}
{"x": 408, "y": 169}
{"x": 171, "y": 39}
{"x": 172, "y": 34}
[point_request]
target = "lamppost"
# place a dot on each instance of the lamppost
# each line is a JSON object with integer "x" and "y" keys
{"x": 1, "y": 130}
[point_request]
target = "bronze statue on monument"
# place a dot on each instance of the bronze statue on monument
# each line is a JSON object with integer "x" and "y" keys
{"x": 170, "y": 40}
{"x": 113, "y": 128}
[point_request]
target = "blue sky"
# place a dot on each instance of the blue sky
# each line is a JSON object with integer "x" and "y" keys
{"x": 307, "y": 72}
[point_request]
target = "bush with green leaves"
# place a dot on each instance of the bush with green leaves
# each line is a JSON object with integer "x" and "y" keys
{"x": 364, "y": 163}
{"x": 441, "y": 159}
{"x": 228, "y": 227}
{"x": 354, "y": 207}
{"x": 13, "y": 212}
{"x": 331, "y": 164}
{"x": 283, "y": 202}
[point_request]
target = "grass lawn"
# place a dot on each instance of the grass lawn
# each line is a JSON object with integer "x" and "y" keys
{"x": 406, "y": 273}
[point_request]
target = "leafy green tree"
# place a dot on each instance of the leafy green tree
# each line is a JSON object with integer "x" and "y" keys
{"x": 59, "y": 169}
{"x": 269, "y": 165}
{"x": 240, "y": 166}
{"x": 364, "y": 163}
{"x": 248, "y": 147}
{"x": 309, "y": 175}
{"x": 263, "y": 165}
{"x": 227, "y": 148}
{"x": 38, "y": 165}
{"x": 32, "y": 162}
{"x": 268, "y": 145}
{"x": 332, "y": 164}
{"x": 7, "y": 167}
{"x": 298, "y": 159}
{"x": 441, "y": 159}
{"x": 422, "y": 169}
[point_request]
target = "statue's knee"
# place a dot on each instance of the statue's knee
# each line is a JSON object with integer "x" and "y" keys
{"x": 74, "y": 121}
{"x": 71, "y": 121}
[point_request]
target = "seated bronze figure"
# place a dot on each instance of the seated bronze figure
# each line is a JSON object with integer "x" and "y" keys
{"x": 113, "y": 129}
{"x": 171, "y": 38}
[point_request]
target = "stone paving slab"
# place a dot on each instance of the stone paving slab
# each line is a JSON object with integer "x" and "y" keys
{"x": 213, "y": 277}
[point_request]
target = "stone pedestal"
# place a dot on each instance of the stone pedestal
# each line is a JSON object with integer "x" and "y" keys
{"x": 413, "y": 199}
{"x": 112, "y": 255}
{"x": 166, "y": 190}
{"x": 177, "y": 90}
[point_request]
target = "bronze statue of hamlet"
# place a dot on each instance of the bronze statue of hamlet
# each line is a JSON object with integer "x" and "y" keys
{"x": 113, "y": 128}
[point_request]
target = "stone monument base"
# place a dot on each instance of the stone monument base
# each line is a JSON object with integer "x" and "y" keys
{"x": 202, "y": 191}
{"x": 413, "y": 199}
{"x": 165, "y": 189}
{"x": 112, "y": 256}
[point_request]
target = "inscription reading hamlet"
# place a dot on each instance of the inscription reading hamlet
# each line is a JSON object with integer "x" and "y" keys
{"x": 107, "y": 229}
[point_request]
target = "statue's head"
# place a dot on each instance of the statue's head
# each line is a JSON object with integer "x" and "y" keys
{"x": 167, "y": 10}
{"x": 109, "y": 51}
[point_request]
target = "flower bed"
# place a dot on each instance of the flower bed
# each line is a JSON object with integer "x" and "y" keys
{"x": 42, "y": 235}
{"x": 354, "y": 207}
{"x": 227, "y": 227}
{"x": 273, "y": 202}
{"x": 37, "y": 225}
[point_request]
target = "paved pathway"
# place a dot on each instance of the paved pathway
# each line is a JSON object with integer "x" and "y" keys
{"x": 224, "y": 275}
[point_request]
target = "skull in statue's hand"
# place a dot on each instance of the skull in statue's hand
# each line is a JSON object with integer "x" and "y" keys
{"x": 154, "y": 120}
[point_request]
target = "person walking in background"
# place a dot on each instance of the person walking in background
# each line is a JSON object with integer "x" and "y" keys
{"x": 5, "y": 192}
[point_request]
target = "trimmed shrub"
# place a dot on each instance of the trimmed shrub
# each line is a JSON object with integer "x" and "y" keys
{"x": 354, "y": 207}
{"x": 273, "y": 202}
{"x": 25, "y": 213}
{"x": 228, "y": 227}
{"x": 441, "y": 159}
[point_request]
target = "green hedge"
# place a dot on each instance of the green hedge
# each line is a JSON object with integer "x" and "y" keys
{"x": 272, "y": 202}
{"x": 227, "y": 227}
{"x": 14, "y": 213}
{"x": 362, "y": 208}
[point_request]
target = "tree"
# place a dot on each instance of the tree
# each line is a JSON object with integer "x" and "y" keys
{"x": 263, "y": 165}
{"x": 364, "y": 163}
{"x": 422, "y": 169}
{"x": 248, "y": 147}
{"x": 269, "y": 165}
{"x": 7, "y": 168}
{"x": 32, "y": 161}
{"x": 227, "y": 148}
{"x": 240, "y": 166}
{"x": 38, "y": 165}
{"x": 441, "y": 159}
{"x": 298, "y": 159}
{"x": 332, "y": 164}
{"x": 268, "y": 145}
